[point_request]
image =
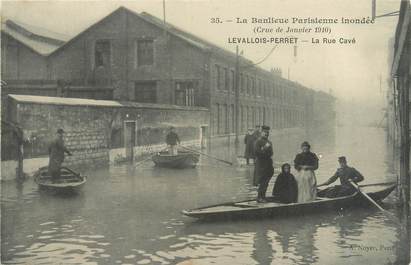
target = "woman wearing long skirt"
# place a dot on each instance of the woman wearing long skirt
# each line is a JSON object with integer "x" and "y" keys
{"x": 305, "y": 163}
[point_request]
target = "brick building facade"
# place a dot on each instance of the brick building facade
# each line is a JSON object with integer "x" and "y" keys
{"x": 132, "y": 56}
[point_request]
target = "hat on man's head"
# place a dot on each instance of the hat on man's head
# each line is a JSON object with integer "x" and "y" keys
{"x": 60, "y": 131}
{"x": 265, "y": 128}
{"x": 171, "y": 127}
{"x": 342, "y": 159}
{"x": 305, "y": 143}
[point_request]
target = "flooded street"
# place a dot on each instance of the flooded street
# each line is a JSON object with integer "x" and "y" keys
{"x": 129, "y": 215}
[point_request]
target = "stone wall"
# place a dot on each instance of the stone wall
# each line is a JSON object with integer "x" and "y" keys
{"x": 95, "y": 127}
{"x": 90, "y": 148}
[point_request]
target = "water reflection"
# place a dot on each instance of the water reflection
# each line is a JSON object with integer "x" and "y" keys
{"x": 129, "y": 215}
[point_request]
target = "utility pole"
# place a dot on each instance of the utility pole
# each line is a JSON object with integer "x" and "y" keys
{"x": 405, "y": 140}
{"x": 164, "y": 12}
{"x": 237, "y": 96}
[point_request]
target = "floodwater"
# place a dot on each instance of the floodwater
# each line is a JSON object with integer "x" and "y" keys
{"x": 128, "y": 215}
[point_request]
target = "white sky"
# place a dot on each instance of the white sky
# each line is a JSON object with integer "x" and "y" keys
{"x": 351, "y": 71}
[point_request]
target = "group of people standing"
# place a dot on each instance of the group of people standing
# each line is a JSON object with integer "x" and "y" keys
{"x": 289, "y": 188}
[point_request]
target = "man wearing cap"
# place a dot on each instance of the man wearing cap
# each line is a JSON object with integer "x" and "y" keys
{"x": 257, "y": 132}
{"x": 249, "y": 141}
{"x": 172, "y": 140}
{"x": 305, "y": 163}
{"x": 57, "y": 149}
{"x": 264, "y": 169}
{"x": 345, "y": 174}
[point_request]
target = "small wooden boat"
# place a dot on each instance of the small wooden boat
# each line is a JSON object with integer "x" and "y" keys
{"x": 182, "y": 160}
{"x": 68, "y": 181}
{"x": 273, "y": 208}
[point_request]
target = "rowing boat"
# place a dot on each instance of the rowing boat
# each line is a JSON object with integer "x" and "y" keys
{"x": 68, "y": 181}
{"x": 273, "y": 208}
{"x": 181, "y": 160}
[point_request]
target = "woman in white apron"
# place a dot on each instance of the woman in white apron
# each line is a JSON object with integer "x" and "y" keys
{"x": 305, "y": 163}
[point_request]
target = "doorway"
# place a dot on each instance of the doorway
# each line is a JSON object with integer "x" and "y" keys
{"x": 130, "y": 139}
{"x": 203, "y": 136}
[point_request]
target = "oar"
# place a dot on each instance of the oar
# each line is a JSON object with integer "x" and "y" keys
{"x": 66, "y": 168}
{"x": 392, "y": 216}
{"x": 148, "y": 158}
{"x": 218, "y": 159}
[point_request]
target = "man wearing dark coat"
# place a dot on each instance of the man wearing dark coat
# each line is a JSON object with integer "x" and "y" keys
{"x": 285, "y": 188}
{"x": 257, "y": 132}
{"x": 249, "y": 141}
{"x": 264, "y": 169}
{"x": 345, "y": 174}
{"x": 57, "y": 149}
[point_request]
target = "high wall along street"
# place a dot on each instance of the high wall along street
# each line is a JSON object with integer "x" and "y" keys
{"x": 116, "y": 88}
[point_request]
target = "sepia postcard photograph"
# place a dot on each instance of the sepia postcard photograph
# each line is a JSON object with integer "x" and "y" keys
{"x": 205, "y": 132}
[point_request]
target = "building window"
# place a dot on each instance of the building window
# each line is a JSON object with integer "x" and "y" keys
{"x": 253, "y": 92}
{"x": 240, "y": 118}
{"x": 185, "y": 93}
{"x": 145, "y": 52}
{"x": 224, "y": 119}
{"x": 249, "y": 121}
{"x": 248, "y": 86}
{"x": 232, "y": 118}
{"x": 232, "y": 74}
{"x": 145, "y": 91}
{"x": 218, "y": 76}
{"x": 226, "y": 80}
{"x": 216, "y": 118}
{"x": 102, "y": 53}
{"x": 242, "y": 83}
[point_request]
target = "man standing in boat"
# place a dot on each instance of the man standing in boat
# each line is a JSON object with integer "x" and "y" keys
{"x": 172, "y": 140}
{"x": 264, "y": 170}
{"x": 345, "y": 174}
{"x": 256, "y": 135}
{"x": 257, "y": 132}
{"x": 305, "y": 163}
{"x": 57, "y": 149}
{"x": 249, "y": 142}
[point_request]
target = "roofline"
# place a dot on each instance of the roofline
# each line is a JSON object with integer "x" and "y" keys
{"x": 67, "y": 43}
{"x": 30, "y": 34}
{"x": 25, "y": 45}
{"x": 121, "y": 8}
{"x": 210, "y": 46}
{"x": 119, "y": 104}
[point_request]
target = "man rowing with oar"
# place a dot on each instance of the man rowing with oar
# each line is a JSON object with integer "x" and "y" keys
{"x": 345, "y": 174}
